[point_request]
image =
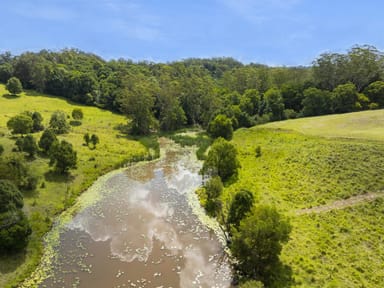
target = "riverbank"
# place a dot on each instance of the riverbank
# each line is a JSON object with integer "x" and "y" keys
{"x": 56, "y": 193}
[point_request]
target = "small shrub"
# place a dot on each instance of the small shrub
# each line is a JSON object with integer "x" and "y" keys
{"x": 373, "y": 106}
{"x": 258, "y": 151}
{"x": 77, "y": 114}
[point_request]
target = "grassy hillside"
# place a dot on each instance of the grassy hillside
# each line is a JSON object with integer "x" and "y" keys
{"x": 333, "y": 248}
{"x": 362, "y": 125}
{"x": 57, "y": 192}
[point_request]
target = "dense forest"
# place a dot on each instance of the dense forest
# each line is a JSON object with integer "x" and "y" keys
{"x": 168, "y": 96}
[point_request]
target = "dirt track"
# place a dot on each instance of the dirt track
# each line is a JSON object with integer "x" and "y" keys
{"x": 341, "y": 204}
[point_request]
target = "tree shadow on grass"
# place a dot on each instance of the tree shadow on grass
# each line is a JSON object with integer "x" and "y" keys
{"x": 10, "y": 262}
{"x": 75, "y": 123}
{"x": 31, "y": 193}
{"x": 52, "y": 176}
{"x": 11, "y": 96}
{"x": 278, "y": 276}
{"x": 282, "y": 276}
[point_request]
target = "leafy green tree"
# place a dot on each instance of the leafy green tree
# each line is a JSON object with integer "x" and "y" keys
{"x": 14, "y": 168}
{"x": 364, "y": 66}
{"x": 47, "y": 139}
{"x": 137, "y": 101}
{"x": 37, "y": 122}
{"x": 30, "y": 68}
{"x": 221, "y": 126}
{"x": 213, "y": 187}
{"x": 58, "y": 122}
{"x": 250, "y": 102}
{"x": 14, "y": 86}
{"x": 241, "y": 205}
{"x": 361, "y": 66}
{"x": 293, "y": 96}
{"x": 14, "y": 225}
{"x": 274, "y": 104}
{"x": 6, "y": 71}
{"x": 172, "y": 115}
{"x": 63, "y": 156}
{"x": 77, "y": 114}
{"x": 1, "y": 149}
{"x": 316, "y": 102}
{"x": 20, "y": 124}
{"x": 327, "y": 70}
{"x": 238, "y": 117}
{"x": 87, "y": 138}
{"x": 375, "y": 92}
{"x": 27, "y": 144}
{"x": 14, "y": 235}
{"x": 168, "y": 107}
{"x": 221, "y": 160}
{"x": 95, "y": 140}
{"x": 258, "y": 242}
{"x": 10, "y": 197}
{"x": 362, "y": 102}
{"x": 344, "y": 98}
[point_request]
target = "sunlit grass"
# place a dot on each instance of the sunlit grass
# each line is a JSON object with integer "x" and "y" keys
{"x": 362, "y": 125}
{"x": 296, "y": 170}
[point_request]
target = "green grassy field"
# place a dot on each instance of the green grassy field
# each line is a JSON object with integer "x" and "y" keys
{"x": 114, "y": 150}
{"x": 326, "y": 159}
{"x": 362, "y": 125}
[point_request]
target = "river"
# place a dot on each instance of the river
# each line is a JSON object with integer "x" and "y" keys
{"x": 142, "y": 229}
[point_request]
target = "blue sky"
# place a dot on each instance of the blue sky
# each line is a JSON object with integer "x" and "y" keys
{"x": 273, "y": 32}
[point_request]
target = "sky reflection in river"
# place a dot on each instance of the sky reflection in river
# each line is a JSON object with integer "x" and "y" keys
{"x": 142, "y": 233}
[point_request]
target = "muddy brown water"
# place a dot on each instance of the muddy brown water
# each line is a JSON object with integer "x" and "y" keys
{"x": 143, "y": 232}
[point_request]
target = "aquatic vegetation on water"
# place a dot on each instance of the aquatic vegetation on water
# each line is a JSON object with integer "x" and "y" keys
{"x": 146, "y": 230}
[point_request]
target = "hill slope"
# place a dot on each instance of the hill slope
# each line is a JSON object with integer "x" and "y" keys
{"x": 363, "y": 125}
{"x": 55, "y": 192}
{"x": 297, "y": 170}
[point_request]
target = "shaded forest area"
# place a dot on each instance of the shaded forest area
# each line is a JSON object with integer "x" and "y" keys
{"x": 168, "y": 96}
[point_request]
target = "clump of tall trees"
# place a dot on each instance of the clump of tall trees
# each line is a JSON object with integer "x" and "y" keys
{"x": 254, "y": 232}
{"x": 16, "y": 176}
{"x": 14, "y": 225}
{"x": 196, "y": 91}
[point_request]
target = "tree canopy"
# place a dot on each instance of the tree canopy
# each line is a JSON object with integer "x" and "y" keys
{"x": 221, "y": 160}
{"x": 240, "y": 206}
{"x": 168, "y": 96}
{"x": 14, "y": 225}
{"x": 47, "y": 139}
{"x": 58, "y": 122}
{"x": 258, "y": 242}
{"x": 14, "y": 86}
{"x": 63, "y": 156}
{"x": 221, "y": 126}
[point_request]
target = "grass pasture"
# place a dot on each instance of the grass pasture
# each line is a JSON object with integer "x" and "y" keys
{"x": 362, "y": 125}
{"x": 54, "y": 192}
{"x": 313, "y": 162}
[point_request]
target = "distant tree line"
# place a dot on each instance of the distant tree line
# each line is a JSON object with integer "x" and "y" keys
{"x": 168, "y": 96}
